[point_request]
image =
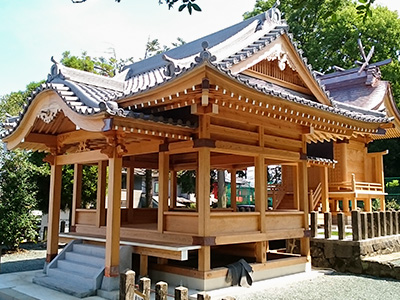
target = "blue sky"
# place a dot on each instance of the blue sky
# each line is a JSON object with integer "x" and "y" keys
{"x": 31, "y": 31}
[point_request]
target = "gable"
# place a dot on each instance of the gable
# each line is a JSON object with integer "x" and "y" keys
{"x": 280, "y": 62}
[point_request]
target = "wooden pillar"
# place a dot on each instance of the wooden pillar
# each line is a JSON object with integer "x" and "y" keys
{"x": 76, "y": 193}
{"x": 296, "y": 191}
{"x": 144, "y": 265}
{"x": 163, "y": 181}
{"x": 203, "y": 190}
{"x": 174, "y": 189}
{"x": 113, "y": 215}
{"x": 130, "y": 185}
{"x": 233, "y": 190}
{"x": 324, "y": 189}
{"x": 303, "y": 193}
{"x": 368, "y": 204}
{"x": 346, "y": 207}
{"x": 204, "y": 260}
{"x": 54, "y": 211}
{"x": 101, "y": 193}
{"x": 260, "y": 203}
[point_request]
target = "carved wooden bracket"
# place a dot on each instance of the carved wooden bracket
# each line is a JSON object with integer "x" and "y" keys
{"x": 114, "y": 142}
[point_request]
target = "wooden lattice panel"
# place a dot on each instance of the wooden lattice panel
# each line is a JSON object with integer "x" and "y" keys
{"x": 271, "y": 69}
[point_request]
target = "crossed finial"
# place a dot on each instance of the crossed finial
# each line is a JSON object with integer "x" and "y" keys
{"x": 366, "y": 58}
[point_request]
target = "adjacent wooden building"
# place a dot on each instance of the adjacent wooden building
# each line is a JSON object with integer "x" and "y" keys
{"x": 241, "y": 97}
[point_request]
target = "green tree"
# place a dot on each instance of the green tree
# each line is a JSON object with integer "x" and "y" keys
{"x": 17, "y": 197}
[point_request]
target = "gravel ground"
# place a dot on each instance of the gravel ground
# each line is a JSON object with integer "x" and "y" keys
{"x": 30, "y": 257}
{"x": 330, "y": 286}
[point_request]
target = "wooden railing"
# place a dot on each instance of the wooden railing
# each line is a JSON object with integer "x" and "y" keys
{"x": 316, "y": 196}
{"x": 354, "y": 185}
{"x": 277, "y": 192}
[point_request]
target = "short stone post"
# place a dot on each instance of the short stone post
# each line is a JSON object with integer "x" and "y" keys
{"x": 181, "y": 293}
{"x": 203, "y": 296}
{"x": 161, "y": 290}
{"x": 364, "y": 226}
{"x": 328, "y": 225}
{"x": 341, "y": 226}
{"x": 382, "y": 215}
{"x": 370, "y": 222}
{"x": 396, "y": 222}
{"x": 127, "y": 285}
{"x": 356, "y": 225}
{"x": 314, "y": 224}
{"x": 389, "y": 223}
{"x": 144, "y": 287}
{"x": 377, "y": 224}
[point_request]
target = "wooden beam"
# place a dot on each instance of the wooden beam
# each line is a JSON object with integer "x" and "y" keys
{"x": 54, "y": 211}
{"x": 46, "y": 139}
{"x": 113, "y": 216}
{"x": 101, "y": 193}
{"x": 86, "y": 157}
{"x": 76, "y": 192}
{"x": 163, "y": 182}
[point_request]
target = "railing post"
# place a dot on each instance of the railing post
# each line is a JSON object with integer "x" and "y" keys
{"x": 370, "y": 221}
{"x": 389, "y": 223}
{"x": 341, "y": 226}
{"x": 377, "y": 224}
{"x": 203, "y": 296}
{"x": 383, "y": 223}
{"x": 127, "y": 285}
{"x": 364, "y": 226}
{"x": 356, "y": 225}
{"x": 396, "y": 222}
{"x": 144, "y": 287}
{"x": 161, "y": 290}
{"x": 181, "y": 293}
{"x": 328, "y": 225}
{"x": 314, "y": 224}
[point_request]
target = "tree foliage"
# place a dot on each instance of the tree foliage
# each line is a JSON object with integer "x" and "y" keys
{"x": 18, "y": 197}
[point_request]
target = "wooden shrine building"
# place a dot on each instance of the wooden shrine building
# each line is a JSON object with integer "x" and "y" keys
{"x": 241, "y": 97}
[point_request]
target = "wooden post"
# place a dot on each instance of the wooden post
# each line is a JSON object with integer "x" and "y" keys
{"x": 324, "y": 189}
{"x": 144, "y": 287}
{"x": 364, "y": 226}
{"x": 389, "y": 222}
{"x": 203, "y": 190}
{"x": 204, "y": 259}
{"x": 260, "y": 203}
{"x": 328, "y": 225}
{"x": 341, "y": 226}
{"x": 101, "y": 193}
{"x": 346, "y": 207}
{"x": 370, "y": 222}
{"x": 377, "y": 224}
{"x": 144, "y": 265}
{"x": 54, "y": 211}
{"x": 174, "y": 189}
{"x": 368, "y": 204}
{"x": 163, "y": 181}
{"x": 314, "y": 223}
{"x": 233, "y": 190}
{"x": 113, "y": 216}
{"x": 383, "y": 223}
{"x": 203, "y": 296}
{"x": 181, "y": 293}
{"x": 303, "y": 195}
{"x": 130, "y": 186}
{"x": 161, "y": 290}
{"x": 395, "y": 222}
{"x": 356, "y": 225}
{"x": 76, "y": 192}
{"x": 296, "y": 191}
{"x": 127, "y": 285}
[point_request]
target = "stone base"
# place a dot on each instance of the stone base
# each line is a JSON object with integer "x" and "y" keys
{"x": 268, "y": 270}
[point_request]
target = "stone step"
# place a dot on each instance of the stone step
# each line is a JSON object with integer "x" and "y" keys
{"x": 83, "y": 269}
{"x": 64, "y": 285}
{"x": 90, "y": 250}
{"x": 94, "y": 261}
{"x": 74, "y": 278}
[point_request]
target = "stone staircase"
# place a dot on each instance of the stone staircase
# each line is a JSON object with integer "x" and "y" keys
{"x": 78, "y": 270}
